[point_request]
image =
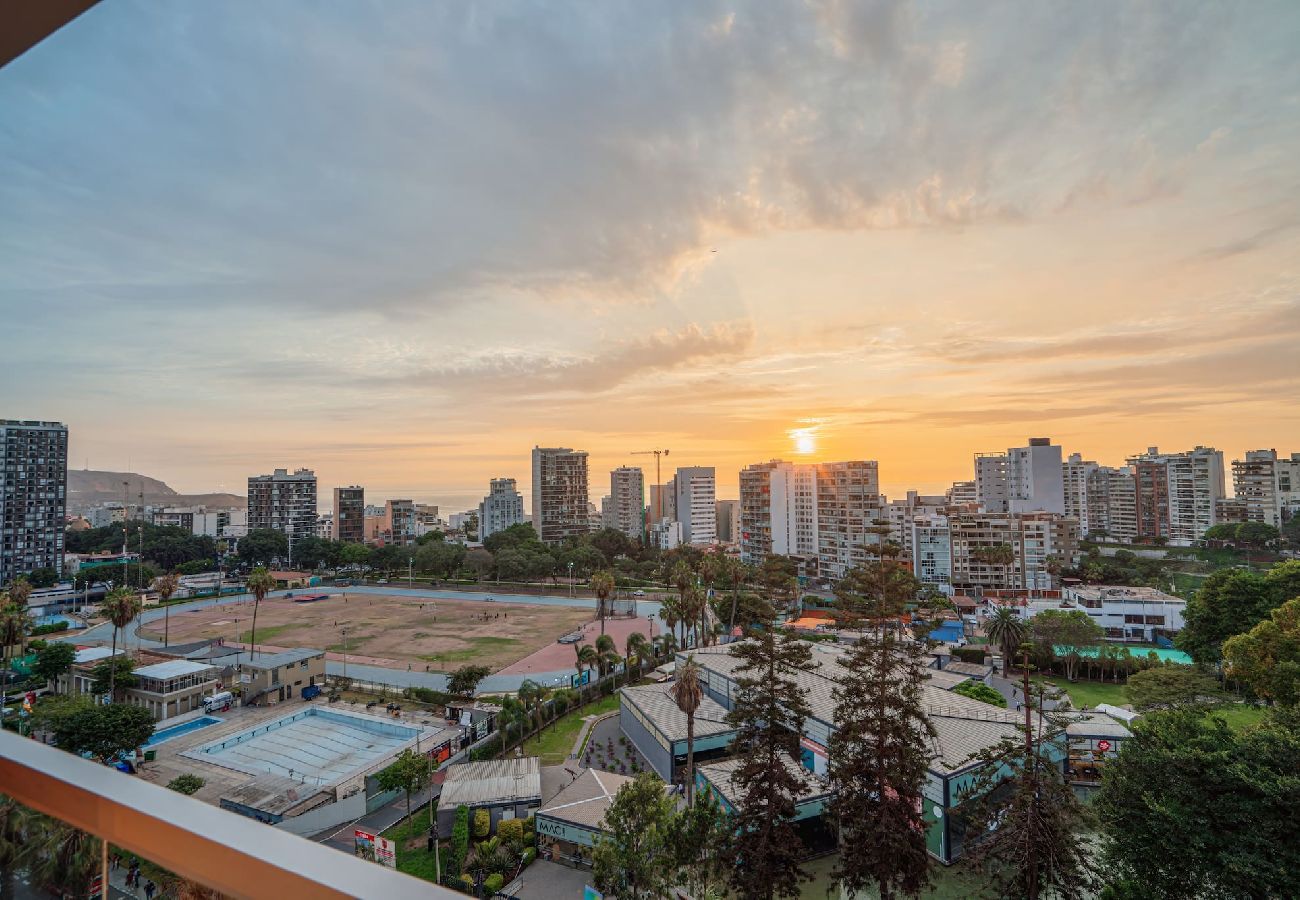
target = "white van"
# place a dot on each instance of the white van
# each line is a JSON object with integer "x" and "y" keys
{"x": 218, "y": 701}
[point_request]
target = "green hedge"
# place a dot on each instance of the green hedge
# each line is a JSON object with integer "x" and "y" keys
{"x": 460, "y": 839}
{"x": 494, "y": 882}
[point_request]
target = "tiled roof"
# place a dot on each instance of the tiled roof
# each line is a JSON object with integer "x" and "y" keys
{"x": 658, "y": 706}
{"x": 720, "y": 774}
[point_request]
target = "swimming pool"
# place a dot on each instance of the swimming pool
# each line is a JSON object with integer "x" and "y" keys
{"x": 1164, "y": 655}
{"x": 174, "y": 731}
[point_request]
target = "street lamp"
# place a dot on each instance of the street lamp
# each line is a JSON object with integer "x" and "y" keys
{"x": 570, "y": 579}
{"x": 344, "y": 632}
{"x": 410, "y": 565}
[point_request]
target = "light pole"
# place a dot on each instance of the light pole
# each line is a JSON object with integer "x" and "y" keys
{"x": 410, "y": 565}
{"x": 344, "y": 632}
{"x": 570, "y": 579}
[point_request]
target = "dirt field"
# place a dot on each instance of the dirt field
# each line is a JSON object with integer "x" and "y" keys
{"x": 395, "y": 631}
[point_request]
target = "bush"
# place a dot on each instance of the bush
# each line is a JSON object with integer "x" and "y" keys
{"x": 494, "y": 882}
{"x": 978, "y": 690}
{"x": 970, "y": 654}
{"x": 460, "y": 839}
{"x": 529, "y": 855}
{"x": 468, "y": 881}
{"x": 511, "y": 830}
{"x": 482, "y": 823}
{"x": 186, "y": 784}
{"x": 51, "y": 628}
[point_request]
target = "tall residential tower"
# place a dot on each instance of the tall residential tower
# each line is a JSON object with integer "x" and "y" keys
{"x": 33, "y": 496}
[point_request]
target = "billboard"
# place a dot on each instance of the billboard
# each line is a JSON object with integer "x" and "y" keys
{"x": 374, "y": 848}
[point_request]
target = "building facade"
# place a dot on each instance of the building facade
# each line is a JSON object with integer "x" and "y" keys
{"x": 399, "y": 522}
{"x": 728, "y": 516}
{"x": 1269, "y": 486}
{"x": 350, "y": 514}
{"x": 1076, "y": 478}
{"x": 33, "y": 496}
{"x": 283, "y": 502}
{"x": 1034, "y": 478}
{"x": 962, "y": 493}
{"x": 502, "y": 507}
{"x": 778, "y": 511}
{"x": 627, "y": 502}
{"x": 1112, "y": 504}
{"x": 696, "y": 498}
{"x": 1177, "y": 493}
{"x": 991, "y": 487}
{"x": 845, "y": 515}
{"x": 560, "y": 494}
{"x": 932, "y": 551}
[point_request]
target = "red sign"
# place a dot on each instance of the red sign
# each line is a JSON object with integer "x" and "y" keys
{"x": 1103, "y": 746}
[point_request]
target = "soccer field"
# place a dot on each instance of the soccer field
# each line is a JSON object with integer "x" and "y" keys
{"x": 392, "y": 631}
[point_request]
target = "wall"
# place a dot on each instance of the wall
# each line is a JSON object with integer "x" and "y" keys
{"x": 656, "y": 754}
{"x": 347, "y": 810}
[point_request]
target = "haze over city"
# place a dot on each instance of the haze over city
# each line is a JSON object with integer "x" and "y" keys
{"x": 402, "y": 244}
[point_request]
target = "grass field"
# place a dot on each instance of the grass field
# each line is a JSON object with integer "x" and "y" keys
{"x": 1090, "y": 693}
{"x": 396, "y": 631}
{"x": 555, "y": 743}
{"x": 1239, "y": 715}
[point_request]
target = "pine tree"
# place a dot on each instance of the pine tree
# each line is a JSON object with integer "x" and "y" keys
{"x": 879, "y": 755}
{"x": 768, "y": 709}
{"x": 1024, "y": 828}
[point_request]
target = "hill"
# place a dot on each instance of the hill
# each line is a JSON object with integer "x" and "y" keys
{"x": 91, "y": 487}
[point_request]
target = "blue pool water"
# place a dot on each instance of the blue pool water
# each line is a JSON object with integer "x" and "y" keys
{"x": 1173, "y": 656}
{"x": 173, "y": 731}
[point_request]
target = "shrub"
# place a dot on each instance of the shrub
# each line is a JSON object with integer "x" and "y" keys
{"x": 529, "y": 855}
{"x": 186, "y": 784}
{"x": 970, "y": 654}
{"x": 978, "y": 690}
{"x": 511, "y": 830}
{"x": 482, "y": 823}
{"x": 460, "y": 839}
{"x": 494, "y": 883}
{"x": 51, "y": 628}
{"x": 468, "y": 881}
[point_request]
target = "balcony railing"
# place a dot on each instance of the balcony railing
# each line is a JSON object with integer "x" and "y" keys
{"x": 221, "y": 850}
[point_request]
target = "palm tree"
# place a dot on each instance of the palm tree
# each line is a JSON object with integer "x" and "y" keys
{"x": 635, "y": 646}
{"x": 121, "y": 606}
{"x": 512, "y": 713}
{"x": 687, "y": 694}
{"x": 1007, "y": 630}
{"x": 586, "y": 658}
{"x": 167, "y": 586}
{"x": 68, "y": 857}
{"x": 261, "y": 583}
{"x": 603, "y": 584}
{"x": 670, "y": 610}
{"x": 734, "y": 571}
{"x": 682, "y": 576}
{"x": 695, "y": 610}
{"x": 14, "y": 622}
{"x": 605, "y": 648}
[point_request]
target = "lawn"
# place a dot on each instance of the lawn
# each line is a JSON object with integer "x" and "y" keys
{"x": 1091, "y": 693}
{"x": 1240, "y": 715}
{"x": 415, "y": 860}
{"x": 555, "y": 742}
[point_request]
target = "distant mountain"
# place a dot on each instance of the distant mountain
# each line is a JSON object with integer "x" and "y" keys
{"x": 90, "y": 487}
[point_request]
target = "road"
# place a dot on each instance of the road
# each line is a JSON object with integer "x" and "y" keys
{"x": 397, "y": 678}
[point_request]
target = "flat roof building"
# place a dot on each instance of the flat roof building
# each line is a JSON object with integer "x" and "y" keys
{"x": 507, "y": 788}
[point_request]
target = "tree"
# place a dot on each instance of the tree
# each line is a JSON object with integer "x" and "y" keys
{"x": 111, "y": 674}
{"x": 876, "y": 592}
{"x": 769, "y": 707}
{"x": 1067, "y": 632}
{"x": 190, "y": 783}
{"x": 409, "y": 773}
{"x": 1230, "y": 601}
{"x": 440, "y": 557}
{"x": 602, "y": 584}
{"x": 351, "y": 554}
{"x": 464, "y": 681}
{"x": 1172, "y": 687}
{"x": 879, "y": 756}
{"x": 1192, "y": 808}
{"x": 43, "y": 577}
{"x": 63, "y": 859}
{"x": 53, "y": 660}
{"x": 263, "y": 546}
{"x": 1006, "y": 631}
{"x": 701, "y": 836}
{"x": 636, "y": 647}
{"x": 1022, "y": 821}
{"x": 261, "y": 583}
{"x": 605, "y": 653}
{"x": 1268, "y": 656}
{"x": 687, "y": 693}
{"x": 166, "y": 586}
{"x": 978, "y": 690}
{"x": 585, "y": 656}
{"x": 1291, "y": 530}
{"x": 14, "y": 624}
{"x": 105, "y": 731}
{"x": 121, "y": 606}
{"x": 633, "y": 858}
{"x": 612, "y": 544}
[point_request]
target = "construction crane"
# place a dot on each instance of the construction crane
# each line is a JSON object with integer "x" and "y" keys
{"x": 658, "y": 481}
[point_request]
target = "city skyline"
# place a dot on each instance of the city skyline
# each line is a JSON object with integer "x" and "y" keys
{"x": 761, "y": 231}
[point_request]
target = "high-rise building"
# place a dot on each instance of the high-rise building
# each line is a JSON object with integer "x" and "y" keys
{"x": 696, "y": 495}
{"x": 900, "y": 514}
{"x": 769, "y": 521}
{"x": 33, "y": 496}
{"x": 991, "y": 487}
{"x": 350, "y": 514}
{"x": 844, "y": 512}
{"x": 1268, "y": 486}
{"x": 1112, "y": 504}
{"x": 1007, "y": 551}
{"x": 728, "y": 516}
{"x": 932, "y": 551}
{"x": 1034, "y": 478}
{"x": 962, "y": 493}
{"x": 399, "y": 522}
{"x": 502, "y": 507}
{"x": 1178, "y": 493}
{"x": 283, "y": 502}
{"x": 663, "y": 501}
{"x": 560, "y": 500}
{"x": 1076, "y": 474}
{"x": 626, "y": 498}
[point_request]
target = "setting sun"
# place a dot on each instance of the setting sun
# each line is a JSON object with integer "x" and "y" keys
{"x": 805, "y": 440}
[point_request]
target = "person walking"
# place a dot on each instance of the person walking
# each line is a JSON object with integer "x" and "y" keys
{"x": 149, "y": 888}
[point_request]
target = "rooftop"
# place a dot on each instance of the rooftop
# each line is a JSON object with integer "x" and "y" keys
{"x": 272, "y": 660}
{"x": 492, "y": 781}
{"x": 720, "y": 775}
{"x": 94, "y": 654}
{"x": 1121, "y": 593}
{"x": 585, "y": 800}
{"x": 657, "y": 705}
{"x": 172, "y": 669}
{"x": 277, "y": 795}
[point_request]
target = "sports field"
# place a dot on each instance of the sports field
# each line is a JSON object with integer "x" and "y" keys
{"x": 392, "y": 631}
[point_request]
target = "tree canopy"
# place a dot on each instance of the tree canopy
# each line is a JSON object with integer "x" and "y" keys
{"x": 1067, "y": 632}
{"x": 263, "y": 546}
{"x": 634, "y": 857}
{"x": 1268, "y": 656}
{"x": 166, "y": 546}
{"x": 464, "y": 681}
{"x": 1231, "y": 602}
{"x": 105, "y": 731}
{"x": 1172, "y": 687}
{"x": 53, "y": 660}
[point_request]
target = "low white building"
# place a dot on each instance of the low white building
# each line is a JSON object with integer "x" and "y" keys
{"x": 1135, "y": 614}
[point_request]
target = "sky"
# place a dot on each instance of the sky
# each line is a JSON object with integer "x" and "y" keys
{"x": 403, "y": 242}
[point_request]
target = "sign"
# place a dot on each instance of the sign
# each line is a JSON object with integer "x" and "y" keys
{"x": 590, "y": 893}
{"x": 565, "y": 832}
{"x": 1103, "y": 746}
{"x": 374, "y": 848}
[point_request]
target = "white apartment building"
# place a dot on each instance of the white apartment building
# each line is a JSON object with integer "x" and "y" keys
{"x": 666, "y": 534}
{"x": 778, "y": 511}
{"x": 399, "y": 522}
{"x": 1268, "y": 486}
{"x": 932, "y": 551}
{"x": 626, "y": 510}
{"x": 1112, "y": 504}
{"x": 696, "y": 490}
{"x": 325, "y": 526}
{"x": 502, "y": 507}
{"x": 283, "y": 502}
{"x": 899, "y": 514}
{"x": 560, "y": 502}
{"x": 1076, "y": 474}
{"x": 1178, "y": 493}
{"x": 991, "y": 487}
{"x": 1049, "y": 543}
{"x": 1040, "y": 544}
{"x": 1034, "y": 478}
{"x": 962, "y": 493}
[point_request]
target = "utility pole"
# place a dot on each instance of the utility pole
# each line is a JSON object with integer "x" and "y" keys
{"x": 126, "y": 501}
{"x": 658, "y": 479}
